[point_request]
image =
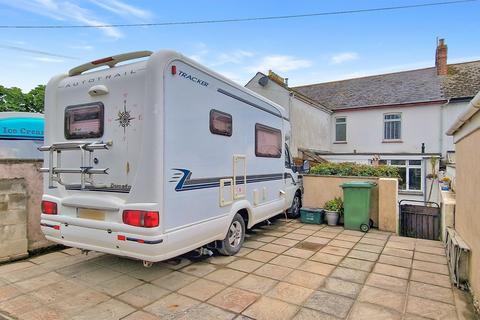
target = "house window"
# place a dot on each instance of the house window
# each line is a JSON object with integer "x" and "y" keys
{"x": 268, "y": 141}
{"x": 340, "y": 129}
{"x": 220, "y": 123}
{"x": 392, "y": 126}
{"x": 410, "y": 172}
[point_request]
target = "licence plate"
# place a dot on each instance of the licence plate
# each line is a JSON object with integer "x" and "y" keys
{"x": 91, "y": 214}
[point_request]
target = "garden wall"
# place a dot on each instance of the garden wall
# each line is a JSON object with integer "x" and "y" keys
{"x": 33, "y": 183}
{"x": 319, "y": 189}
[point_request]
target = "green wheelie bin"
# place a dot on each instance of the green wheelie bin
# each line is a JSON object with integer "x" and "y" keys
{"x": 356, "y": 205}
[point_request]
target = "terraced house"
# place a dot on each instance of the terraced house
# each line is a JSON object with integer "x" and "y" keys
{"x": 399, "y": 118}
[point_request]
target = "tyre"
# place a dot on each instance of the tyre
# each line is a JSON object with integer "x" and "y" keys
{"x": 235, "y": 236}
{"x": 294, "y": 211}
{"x": 364, "y": 227}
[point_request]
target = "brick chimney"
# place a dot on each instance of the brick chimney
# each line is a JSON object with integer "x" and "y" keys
{"x": 441, "y": 58}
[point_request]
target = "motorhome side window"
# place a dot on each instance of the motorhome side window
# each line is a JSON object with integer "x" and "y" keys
{"x": 220, "y": 123}
{"x": 84, "y": 121}
{"x": 268, "y": 141}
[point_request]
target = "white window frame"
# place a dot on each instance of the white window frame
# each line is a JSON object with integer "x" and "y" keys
{"x": 392, "y": 120}
{"x": 344, "y": 123}
{"x": 407, "y": 167}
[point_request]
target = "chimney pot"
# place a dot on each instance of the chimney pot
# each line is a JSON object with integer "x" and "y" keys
{"x": 441, "y": 58}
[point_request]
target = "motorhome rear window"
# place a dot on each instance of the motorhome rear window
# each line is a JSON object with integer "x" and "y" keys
{"x": 268, "y": 141}
{"x": 220, "y": 123}
{"x": 84, "y": 121}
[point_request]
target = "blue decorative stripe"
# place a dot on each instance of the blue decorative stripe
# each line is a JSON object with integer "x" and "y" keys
{"x": 186, "y": 184}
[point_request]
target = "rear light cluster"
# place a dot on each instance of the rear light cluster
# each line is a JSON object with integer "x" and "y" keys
{"x": 49, "y": 207}
{"x": 140, "y": 218}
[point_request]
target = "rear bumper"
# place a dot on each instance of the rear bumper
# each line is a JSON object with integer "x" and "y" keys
{"x": 149, "y": 248}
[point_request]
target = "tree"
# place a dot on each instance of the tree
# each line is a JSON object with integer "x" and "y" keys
{"x": 13, "y": 99}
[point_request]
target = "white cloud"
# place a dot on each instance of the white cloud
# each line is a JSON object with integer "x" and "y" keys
{"x": 343, "y": 57}
{"x": 85, "y": 47}
{"x": 48, "y": 59}
{"x": 122, "y": 9}
{"x": 65, "y": 11}
{"x": 279, "y": 63}
{"x": 233, "y": 57}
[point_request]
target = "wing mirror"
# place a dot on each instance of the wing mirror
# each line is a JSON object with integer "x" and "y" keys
{"x": 306, "y": 166}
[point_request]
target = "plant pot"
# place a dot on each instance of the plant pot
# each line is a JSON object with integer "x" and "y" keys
{"x": 332, "y": 217}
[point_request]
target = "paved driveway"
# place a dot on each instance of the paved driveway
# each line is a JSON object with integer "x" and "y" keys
{"x": 287, "y": 270}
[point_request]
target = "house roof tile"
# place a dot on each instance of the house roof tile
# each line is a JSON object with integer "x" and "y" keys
{"x": 414, "y": 86}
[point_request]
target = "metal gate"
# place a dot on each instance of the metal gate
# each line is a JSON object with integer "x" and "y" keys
{"x": 419, "y": 221}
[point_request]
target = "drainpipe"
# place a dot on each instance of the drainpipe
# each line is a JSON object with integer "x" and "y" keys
{"x": 442, "y": 129}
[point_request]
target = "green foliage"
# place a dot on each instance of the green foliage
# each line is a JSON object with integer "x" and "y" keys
{"x": 335, "y": 204}
{"x": 13, "y": 99}
{"x": 351, "y": 169}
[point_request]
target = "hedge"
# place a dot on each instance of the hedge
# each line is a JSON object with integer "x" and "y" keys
{"x": 354, "y": 170}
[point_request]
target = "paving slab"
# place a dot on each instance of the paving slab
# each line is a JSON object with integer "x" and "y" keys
{"x": 317, "y": 267}
{"x": 226, "y": 276}
{"x": 387, "y": 282}
{"x": 363, "y": 255}
{"x": 287, "y": 261}
{"x": 367, "y": 311}
{"x": 429, "y": 257}
{"x": 260, "y": 255}
{"x": 431, "y": 309}
{"x": 172, "y": 306}
{"x": 289, "y": 293}
{"x": 329, "y": 303}
{"x": 398, "y": 253}
{"x": 326, "y": 258}
{"x": 256, "y": 284}
{"x": 273, "y": 271}
{"x": 233, "y": 299}
{"x": 205, "y": 311}
{"x": 201, "y": 289}
{"x": 395, "y": 261}
{"x": 309, "y": 314}
{"x": 431, "y": 278}
{"x": 432, "y": 292}
{"x": 305, "y": 279}
{"x": 245, "y": 265}
{"x": 348, "y": 274}
{"x": 174, "y": 281}
{"x": 393, "y": 271}
{"x": 341, "y": 287}
{"x": 384, "y": 298}
{"x": 111, "y": 309}
{"x": 143, "y": 295}
{"x": 358, "y": 264}
{"x": 267, "y": 308}
{"x": 430, "y": 267}
{"x": 368, "y": 247}
{"x": 335, "y": 250}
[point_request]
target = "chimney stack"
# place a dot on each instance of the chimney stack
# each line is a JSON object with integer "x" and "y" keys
{"x": 441, "y": 58}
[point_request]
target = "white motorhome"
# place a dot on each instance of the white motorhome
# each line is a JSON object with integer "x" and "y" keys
{"x": 161, "y": 156}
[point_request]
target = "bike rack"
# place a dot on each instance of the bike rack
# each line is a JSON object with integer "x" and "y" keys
{"x": 85, "y": 170}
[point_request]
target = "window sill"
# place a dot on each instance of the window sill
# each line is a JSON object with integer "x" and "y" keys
{"x": 392, "y": 141}
{"x": 411, "y": 193}
{"x": 340, "y": 142}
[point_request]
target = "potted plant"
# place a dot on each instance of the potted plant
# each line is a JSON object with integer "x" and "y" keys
{"x": 445, "y": 183}
{"x": 333, "y": 209}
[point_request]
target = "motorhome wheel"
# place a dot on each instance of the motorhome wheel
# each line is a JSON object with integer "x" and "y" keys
{"x": 234, "y": 240}
{"x": 294, "y": 211}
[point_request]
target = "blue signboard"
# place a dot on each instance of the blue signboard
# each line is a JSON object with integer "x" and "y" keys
{"x": 21, "y": 128}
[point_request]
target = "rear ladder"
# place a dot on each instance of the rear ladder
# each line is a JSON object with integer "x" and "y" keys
{"x": 85, "y": 170}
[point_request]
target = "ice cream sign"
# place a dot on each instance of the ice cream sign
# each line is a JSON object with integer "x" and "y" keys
{"x": 21, "y": 128}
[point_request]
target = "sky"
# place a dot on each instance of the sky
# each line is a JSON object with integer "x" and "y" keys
{"x": 305, "y": 50}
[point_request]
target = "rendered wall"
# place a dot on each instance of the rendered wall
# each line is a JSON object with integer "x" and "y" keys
{"x": 467, "y": 188}
{"x": 320, "y": 189}
{"x": 420, "y": 124}
{"x": 310, "y": 126}
{"x": 13, "y": 219}
{"x": 28, "y": 170}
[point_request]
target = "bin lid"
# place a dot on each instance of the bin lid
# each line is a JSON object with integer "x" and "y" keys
{"x": 358, "y": 184}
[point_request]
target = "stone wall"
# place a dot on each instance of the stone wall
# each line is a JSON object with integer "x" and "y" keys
{"x": 320, "y": 189}
{"x": 33, "y": 182}
{"x": 13, "y": 219}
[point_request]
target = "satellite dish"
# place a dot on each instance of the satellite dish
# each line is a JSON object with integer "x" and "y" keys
{"x": 263, "y": 81}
